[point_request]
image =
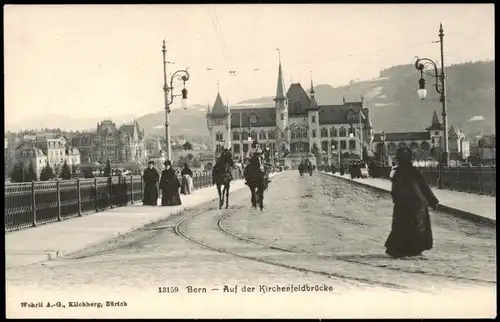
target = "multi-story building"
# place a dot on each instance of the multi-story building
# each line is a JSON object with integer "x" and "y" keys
{"x": 294, "y": 128}
{"x": 28, "y": 154}
{"x": 487, "y": 148}
{"x": 426, "y": 145}
{"x": 119, "y": 145}
{"x": 54, "y": 147}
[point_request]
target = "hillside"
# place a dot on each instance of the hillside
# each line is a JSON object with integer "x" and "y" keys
{"x": 190, "y": 123}
{"x": 395, "y": 107}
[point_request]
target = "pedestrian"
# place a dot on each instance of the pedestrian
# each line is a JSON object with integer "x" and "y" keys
{"x": 411, "y": 232}
{"x": 169, "y": 185}
{"x": 151, "y": 178}
{"x": 187, "y": 180}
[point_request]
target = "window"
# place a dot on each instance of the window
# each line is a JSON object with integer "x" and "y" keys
{"x": 244, "y": 135}
{"x": 219, "y": 136}
{"x": 253, "y": 135}
{"x": 236, "y": 148}
{"x": 436, "y": 133}
{"x": 245, "y": 147}
{"x": 324, "y": 132}
{"x": 352, "y": 145}
{"x": 271, "y": 135}
{"x": 353, "y": 131}
{"x": 282, "y": 116}
{"x": 262, "y": 135}
{"x": 343, "y": 145}
{"x": 236, "y": 136}
{"x": 343, "y": 132}
{"x": 313, "y": 119}
{"x": 253, "y": 119}
{"x": 333, "y": 132}
{"x": 313, "y": 133}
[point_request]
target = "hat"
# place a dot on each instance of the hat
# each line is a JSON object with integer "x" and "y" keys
{"x": 167, "y": 163}
{"x": 151, "y": 162}
{"x": 404, "y": 154}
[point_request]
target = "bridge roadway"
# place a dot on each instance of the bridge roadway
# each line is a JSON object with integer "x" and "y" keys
{"x": 316, "y": 230}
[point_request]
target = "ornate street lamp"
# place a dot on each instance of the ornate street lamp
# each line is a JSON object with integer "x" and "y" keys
{"x": 180, "y": 75}
{"x": 440, "y": 87}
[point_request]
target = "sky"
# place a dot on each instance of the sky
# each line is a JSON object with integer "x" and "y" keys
{"x": 95, "y": 60}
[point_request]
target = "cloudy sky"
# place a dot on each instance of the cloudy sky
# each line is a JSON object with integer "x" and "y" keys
{"x": 91, "y": 61}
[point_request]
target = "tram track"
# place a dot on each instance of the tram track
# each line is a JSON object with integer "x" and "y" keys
{"x": 339, "y": 258}
{"x": 178, "y": 231}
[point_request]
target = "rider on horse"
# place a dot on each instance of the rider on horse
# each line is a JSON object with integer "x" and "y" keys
{"x": 256, "y": 151}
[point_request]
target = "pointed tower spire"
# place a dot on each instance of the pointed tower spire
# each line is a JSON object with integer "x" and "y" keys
{"x": 218, "y": 88}
{"x": 280, "y": 88}
{"x": 435, "y": 119}
{"x": 312, "y": 87}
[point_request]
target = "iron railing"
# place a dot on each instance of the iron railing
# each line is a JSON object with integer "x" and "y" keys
{"x": 478, "y": 180}
{"x": 29, "y": 204}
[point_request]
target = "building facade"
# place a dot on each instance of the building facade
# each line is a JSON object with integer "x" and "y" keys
{"x": 119, "y": 145}
{"x": 27, "y": 153}
{"x": 426, "y": 145}
{"x": 294, "y": 128}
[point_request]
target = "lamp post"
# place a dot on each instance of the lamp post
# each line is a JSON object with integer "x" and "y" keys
{"x": 382, "y": 138}
{"x": 181, "y": 75}
{"x": 440, "y": 86}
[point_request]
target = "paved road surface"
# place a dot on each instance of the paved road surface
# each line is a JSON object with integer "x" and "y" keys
{"x": 317, "y": 230}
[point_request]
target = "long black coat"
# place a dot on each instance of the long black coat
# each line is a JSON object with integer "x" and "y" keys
{"x": 411, "y": 227}
{"x": 169, "y": 185}
{"x": 151, "y": 178}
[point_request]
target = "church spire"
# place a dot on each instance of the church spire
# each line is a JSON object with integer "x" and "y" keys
{"x": 280, "y": 88}
{"x": 435, "y": 120}
{"x": 312, "y": 87}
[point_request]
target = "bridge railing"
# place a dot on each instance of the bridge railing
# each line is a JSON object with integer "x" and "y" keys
{"x": 29, "y": 204}
{"x": 478, "y": 180}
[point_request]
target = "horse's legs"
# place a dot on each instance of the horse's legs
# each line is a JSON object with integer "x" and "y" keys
{"x": 221, "y": 197}
{"x": 252, "y": 191}
{"x": 260, "y": 191}
{"x": 226, "y": 188}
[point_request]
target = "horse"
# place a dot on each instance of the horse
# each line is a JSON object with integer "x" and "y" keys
{"x": 301, "y": 169}
{"x": 257, "y": 180}
{"x": 222, "y": 176}
{"x": 310, "y": 168}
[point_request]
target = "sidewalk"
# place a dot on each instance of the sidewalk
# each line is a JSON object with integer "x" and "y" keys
{"x": 470, "y": 206}
{"x": 53, "y": 240}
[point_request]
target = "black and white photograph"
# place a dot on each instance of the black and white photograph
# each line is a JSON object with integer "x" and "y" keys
{"x": 250, "y": 161}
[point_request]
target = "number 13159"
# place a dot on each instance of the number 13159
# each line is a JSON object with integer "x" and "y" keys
{"x": 168, "y": 289}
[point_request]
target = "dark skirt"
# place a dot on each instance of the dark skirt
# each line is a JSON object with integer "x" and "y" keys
{"x": 150, "y": 194}
{"x": 411, "y": 232}
{"x": 170, "y": 197}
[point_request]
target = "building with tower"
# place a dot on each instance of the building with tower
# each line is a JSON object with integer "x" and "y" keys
{"x": 426, "y": 145}
{"x": 295, "y": 127}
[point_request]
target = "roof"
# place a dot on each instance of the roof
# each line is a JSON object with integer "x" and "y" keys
{"x": 219, "y": 109}
{"x": 337, "y": 114}
{"x": 298, "y": 100}
{"x": 129, "y": 129}
{"x": 435, "y": 125}
{"x": 29, "y": 146}
{"x": 265, "y": 116}
{"x": 404, "y": 136}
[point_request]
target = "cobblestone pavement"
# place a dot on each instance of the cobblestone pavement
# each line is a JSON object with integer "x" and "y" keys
{"x": 343, "y": 225}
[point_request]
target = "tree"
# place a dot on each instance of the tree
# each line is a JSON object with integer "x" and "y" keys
{"x": 73, "y": 169}
{"x": 65, "y": 172}
{"x": 17, "y": 174}
{"x": 107, "y": 169}
{"x": 187, "y": 146}
{"x": 30, "y": 174}
{"x": 47, "y": 173}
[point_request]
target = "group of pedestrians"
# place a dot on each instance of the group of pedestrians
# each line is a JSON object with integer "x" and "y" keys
{"x": 168, "y": 183}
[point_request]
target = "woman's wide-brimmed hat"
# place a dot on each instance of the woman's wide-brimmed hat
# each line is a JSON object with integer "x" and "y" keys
{"x": 404, "y": 154}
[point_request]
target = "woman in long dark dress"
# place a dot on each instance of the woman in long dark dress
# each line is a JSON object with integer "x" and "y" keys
{"x": 151, "y": 178}
{"x": 411, "y": 232}
{"x": 169, "y": 185}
